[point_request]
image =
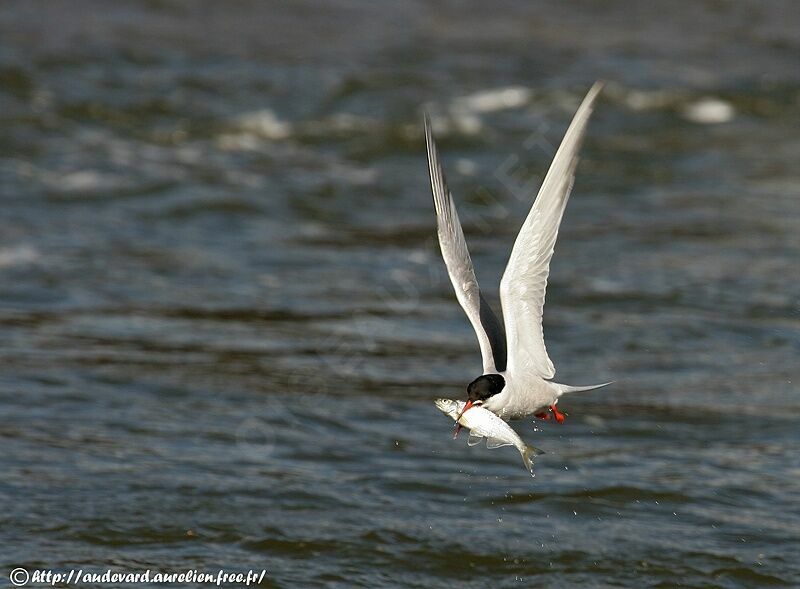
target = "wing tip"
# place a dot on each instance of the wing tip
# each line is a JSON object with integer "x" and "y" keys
{"x": 597, "y": 87}
{"x": 428, "y": 129}
{"x": 441, "y": 194}
{"x": 592, "y": 95}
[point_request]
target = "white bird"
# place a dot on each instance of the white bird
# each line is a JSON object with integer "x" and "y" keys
{"x": 517, "y": 372}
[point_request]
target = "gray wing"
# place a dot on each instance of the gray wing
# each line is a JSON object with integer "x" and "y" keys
{"x": 522, "y": 288}
{"x": 459, "y": 266}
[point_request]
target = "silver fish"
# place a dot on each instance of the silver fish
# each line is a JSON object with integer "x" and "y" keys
{"x": 482, "y": 423}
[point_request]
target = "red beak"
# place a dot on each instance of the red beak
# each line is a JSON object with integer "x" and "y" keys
{"x": 467, "y": 405}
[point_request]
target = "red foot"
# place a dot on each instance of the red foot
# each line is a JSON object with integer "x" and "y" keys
{"x": 557, "y": 414}
{"x": 543, "y": 415}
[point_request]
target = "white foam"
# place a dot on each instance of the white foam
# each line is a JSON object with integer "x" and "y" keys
{"x": 252, "y": 129}
{"x": 642, "y": 100}
{"x": 17, "y": 255}
{"x": 709, "y": 111}
{"x": 466, "y": 167}
{"x": 467, "y": 123}
{"x": 81, "y": 180}
{"x": 494, "y": 100}
{"x": 263, "y": 123}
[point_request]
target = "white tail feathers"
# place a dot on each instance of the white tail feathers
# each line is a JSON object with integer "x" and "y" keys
{"x": 563, "y": 388}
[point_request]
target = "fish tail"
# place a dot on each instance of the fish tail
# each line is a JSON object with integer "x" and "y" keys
{"x": 528, "y": 454}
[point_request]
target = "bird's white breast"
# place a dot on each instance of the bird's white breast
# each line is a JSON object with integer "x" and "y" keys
{"x": 520, "y": 399}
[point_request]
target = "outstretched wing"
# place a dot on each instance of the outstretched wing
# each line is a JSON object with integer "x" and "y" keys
{"x": 459, "y": 266}
{"x": 522, "y": 288}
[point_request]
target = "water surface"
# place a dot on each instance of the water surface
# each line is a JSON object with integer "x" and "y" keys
{"x": 224, "y": 317}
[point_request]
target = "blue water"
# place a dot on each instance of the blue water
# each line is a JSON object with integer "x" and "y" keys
{"x": 224, "y": 317}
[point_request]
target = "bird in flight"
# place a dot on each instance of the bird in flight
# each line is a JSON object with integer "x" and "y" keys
{"x": 517, "y": 372}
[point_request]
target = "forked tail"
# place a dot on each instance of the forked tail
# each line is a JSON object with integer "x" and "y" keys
{"x": 527, "y": 456}
{"x": 564, "y": 388}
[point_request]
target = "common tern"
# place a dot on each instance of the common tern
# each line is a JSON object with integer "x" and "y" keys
{"x": 517, "y": 372}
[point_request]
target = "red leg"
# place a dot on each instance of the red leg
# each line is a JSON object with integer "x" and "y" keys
{"x": 557, "y": 414}
{"x": 543, "y": 415}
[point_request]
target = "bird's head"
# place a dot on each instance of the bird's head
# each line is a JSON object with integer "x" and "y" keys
{"x": 483, "y": 387}
{"x": 479, "y": 390}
